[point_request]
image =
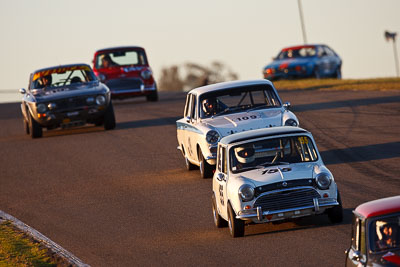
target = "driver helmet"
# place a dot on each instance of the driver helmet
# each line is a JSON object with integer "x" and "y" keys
{"x": 209, "y": 106}
{"x": 380, "y": 226}
{"x": 48, "y": 78}
{"x": 245, "y": 154}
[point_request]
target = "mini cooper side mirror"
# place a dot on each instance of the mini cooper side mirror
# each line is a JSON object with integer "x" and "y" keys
{"x": 22, "y": 91}
{"x": 221, "y": 177}
{"x": 286, "y": 105}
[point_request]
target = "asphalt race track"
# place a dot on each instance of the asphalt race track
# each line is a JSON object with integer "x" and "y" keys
{"x": 124, "y": 198}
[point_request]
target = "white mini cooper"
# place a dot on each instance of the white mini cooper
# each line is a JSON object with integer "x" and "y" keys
{"x": 271, "y": 175}
{"x": 217, "y": 110}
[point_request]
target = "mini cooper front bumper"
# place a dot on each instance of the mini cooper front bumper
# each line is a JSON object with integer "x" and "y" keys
{"x": 299, "y": 203}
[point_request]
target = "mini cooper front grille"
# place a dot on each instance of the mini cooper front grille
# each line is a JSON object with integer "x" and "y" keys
{"x": 287, "y": 199}
{"x": 284, "y": 185}
{"x": 124, "y": 84}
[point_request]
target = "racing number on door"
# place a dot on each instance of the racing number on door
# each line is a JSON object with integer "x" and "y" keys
{"x": 221, "y": 194}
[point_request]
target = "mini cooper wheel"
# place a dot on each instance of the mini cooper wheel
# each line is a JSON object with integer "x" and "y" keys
{"x": 335, "y": 214}
{"x": 35, "y": 130}
{"x": 109, "y": 118}
{"x": 153, "y": 97}
{"x": 218, "y": 220}
{"x": 236, "y": 226}
{"x": 206, "y": 170}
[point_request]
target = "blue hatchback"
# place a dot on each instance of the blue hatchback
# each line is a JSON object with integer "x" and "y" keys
{"x": 318, "y": 61}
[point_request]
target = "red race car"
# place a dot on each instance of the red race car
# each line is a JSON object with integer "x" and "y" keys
{"x": 376, "y": 234}
{"x": 126, "y": 71}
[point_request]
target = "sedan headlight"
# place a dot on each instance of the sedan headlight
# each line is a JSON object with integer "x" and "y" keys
{"x": 291, "y": 122}
{"x": 212, "y": 137}
{"x": 146, "y": 74}
{"x": 41, "y": 108}
{"x": 100, "y": 100}
{"x": 246, "y": 192}
{"x": 323, "y": 180}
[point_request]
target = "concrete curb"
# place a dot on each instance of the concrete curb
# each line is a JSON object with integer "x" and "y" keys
{"x": 60, "y": 251}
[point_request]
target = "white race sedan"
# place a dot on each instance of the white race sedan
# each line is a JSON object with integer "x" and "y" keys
{"x": 271, "y": 175}
{"x": 218, "y": 110}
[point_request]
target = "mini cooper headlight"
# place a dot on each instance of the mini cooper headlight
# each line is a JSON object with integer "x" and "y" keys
{"x": 291, "y": 122}
{"x": 323, "y": 180}
{"x": 100, "y": 100}
{"x": 246, "y": 192}
{"x": 212, "y": 137}
{"x": 41, "y": 108}
{"x": 101, "y": 77}
{"x": 146, "y": 74}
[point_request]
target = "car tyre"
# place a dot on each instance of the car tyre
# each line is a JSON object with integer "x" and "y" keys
{"x": 335, "y": 214}
{"x": 316, "y": 73}
{"x": 109, "y": 118}
{"x": 236, "y": 226}
{"x": 218, "y": 220}
{"x": 206, "y": 170}
{"x": 338, "y": 73}
{"x": 153, "y": 97}
{"x": 34, "y": 128}
{"x": 26, "y": 126}
{"x": 189, "y": 165}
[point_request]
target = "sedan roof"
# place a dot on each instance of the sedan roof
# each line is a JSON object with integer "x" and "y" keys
{"x": 379, "y": 207}
{"x": 227, "y": 85}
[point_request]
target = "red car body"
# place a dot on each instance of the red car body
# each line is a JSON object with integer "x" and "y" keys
{"x": 373, "y": 244}
{"x": 126, "y": 71}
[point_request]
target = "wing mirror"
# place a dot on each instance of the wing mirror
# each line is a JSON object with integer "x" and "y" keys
{"x": 286, "y": 105}
{"x": 22, "y": 91}
{"x": 221, "y": 177}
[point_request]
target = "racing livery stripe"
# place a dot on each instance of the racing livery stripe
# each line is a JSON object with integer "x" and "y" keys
{"x": 187, "y": 127}
{"x": 58, "y": 70}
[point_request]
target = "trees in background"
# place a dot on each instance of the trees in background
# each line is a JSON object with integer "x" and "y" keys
{"x": 192, "y": 75}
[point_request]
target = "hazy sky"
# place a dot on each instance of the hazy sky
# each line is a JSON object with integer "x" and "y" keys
{"x": 245, "y": 35}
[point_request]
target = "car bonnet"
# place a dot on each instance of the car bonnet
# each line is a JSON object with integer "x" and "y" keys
{"x": 279, "y": 173}
{"x": 243, "y": 121}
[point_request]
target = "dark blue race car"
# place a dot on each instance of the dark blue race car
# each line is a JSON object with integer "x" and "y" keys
{"x": 318, "y": 61}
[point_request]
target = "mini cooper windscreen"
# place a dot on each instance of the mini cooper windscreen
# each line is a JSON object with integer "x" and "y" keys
{"x": 120, "y": 58}
{"x": 238, "y": 100}
{"x": 267, "y": 152}
{"x": 64, "y": 76}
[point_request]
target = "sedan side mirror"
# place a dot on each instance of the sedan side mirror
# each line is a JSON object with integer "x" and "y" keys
{"x": 286, "y": 105}
{"x": 22, "y": 91}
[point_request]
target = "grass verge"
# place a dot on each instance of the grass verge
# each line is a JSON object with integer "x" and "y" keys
{"x": 17, "y": 249}
{"x": 378, "y": 84}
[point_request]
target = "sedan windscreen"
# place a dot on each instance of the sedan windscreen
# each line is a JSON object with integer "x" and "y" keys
{"x": 269, "y": 152}
{"x": 237, "y": 100}
{"x": 62, "y": 76}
